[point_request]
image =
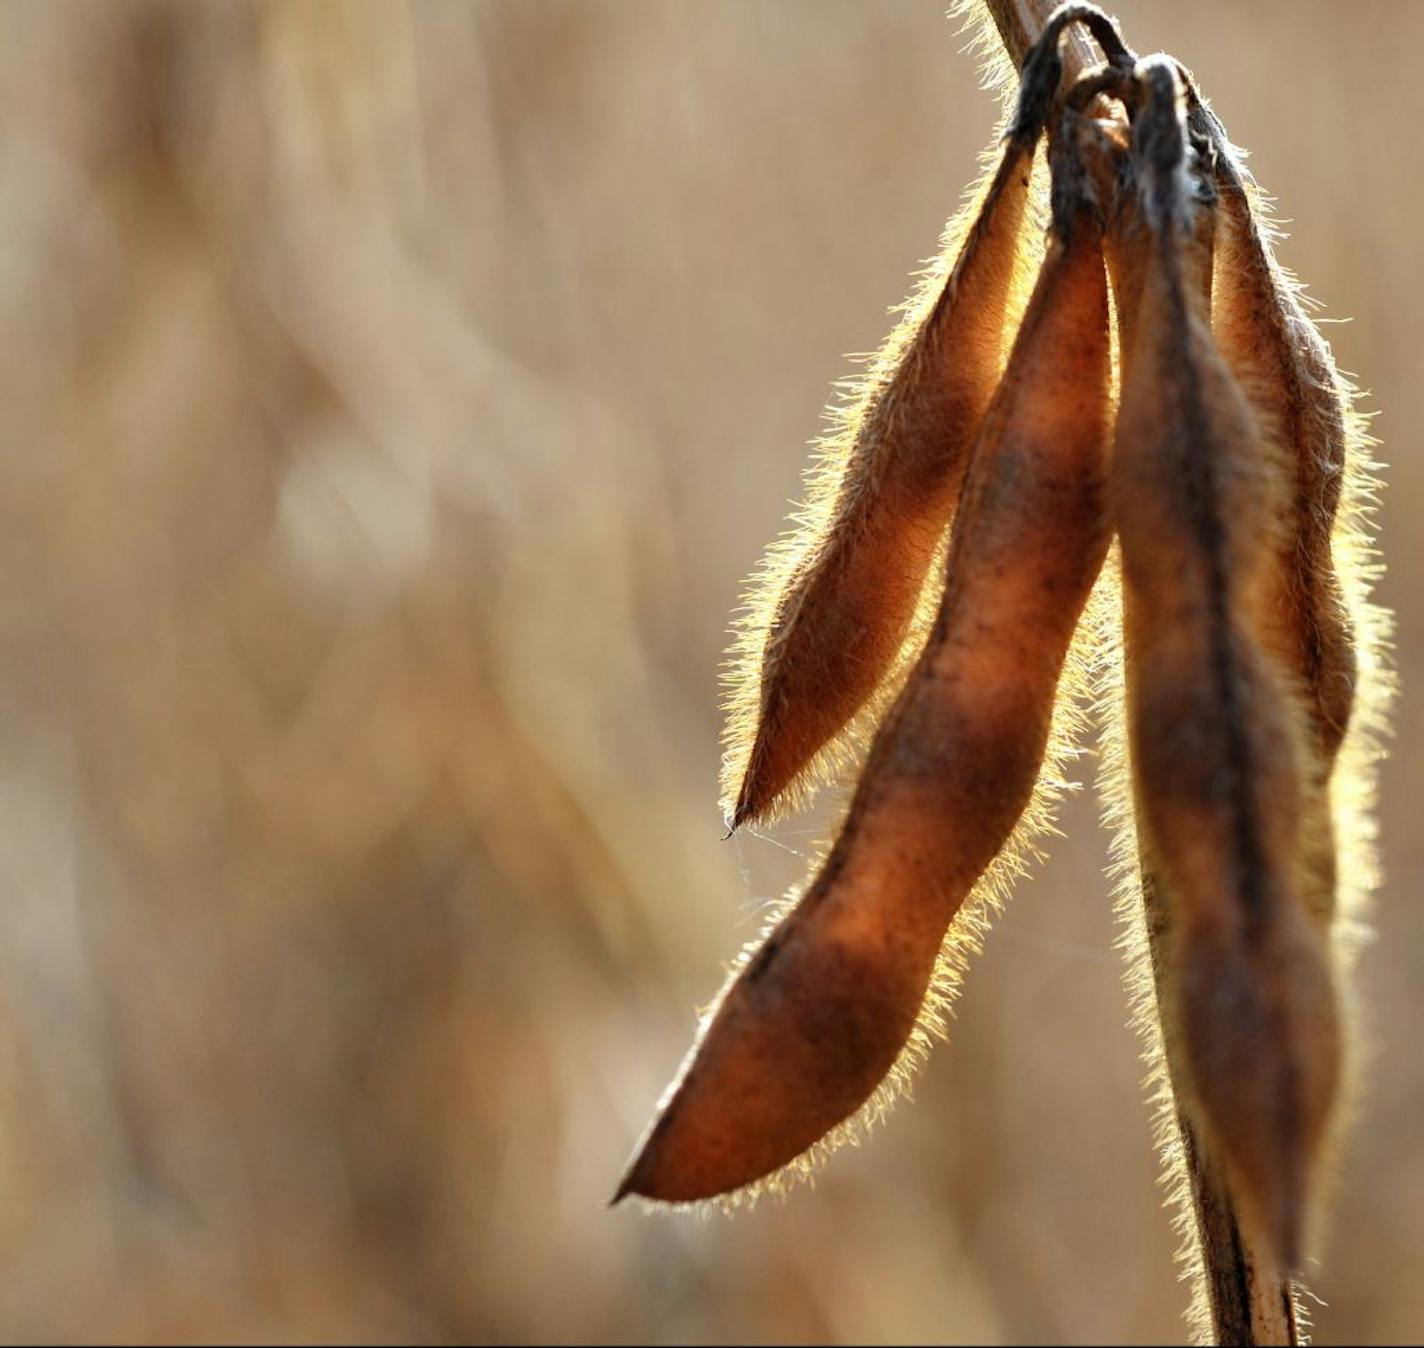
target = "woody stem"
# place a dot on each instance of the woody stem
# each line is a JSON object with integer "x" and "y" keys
{"x": 1020, "y": 22}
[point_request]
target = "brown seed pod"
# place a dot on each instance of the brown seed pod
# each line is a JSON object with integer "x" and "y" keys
{"x": 1215, "y": 735}
{"x": 833, "y": 607}
{"x": 846, "y": 590}
{"x": 1285, "y": 369}
{"x": 812, "y": 1024}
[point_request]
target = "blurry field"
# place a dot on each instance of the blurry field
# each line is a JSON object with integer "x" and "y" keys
{"x": 393, "y": 398}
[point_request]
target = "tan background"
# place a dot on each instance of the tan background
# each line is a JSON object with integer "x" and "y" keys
{"x": 392, "y": 399}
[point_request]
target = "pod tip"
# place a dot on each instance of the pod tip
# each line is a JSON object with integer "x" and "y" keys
{"x": 625, "y": 1187}
{"x": 637, "y": 1181}
{"x": 744, "y": 808}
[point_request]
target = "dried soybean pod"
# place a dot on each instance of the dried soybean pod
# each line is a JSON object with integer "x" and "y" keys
{"x": 820, "y": 1014}
{"x": 1288, "y": 375}
{"x": 1285, "y": 369}
{"x": 836, "y": 626}
{"x": 832, "y": 610}
{"x": 1215, "y": 735}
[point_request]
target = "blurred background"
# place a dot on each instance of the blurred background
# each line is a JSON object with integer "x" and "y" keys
{"x": 393, "y": 397}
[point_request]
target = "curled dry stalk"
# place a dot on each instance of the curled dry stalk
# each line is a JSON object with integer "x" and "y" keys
{"x": 1157, "y": 386}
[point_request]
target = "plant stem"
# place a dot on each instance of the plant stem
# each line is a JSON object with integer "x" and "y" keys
{"x": 1021, "y": 21}
{"x": 1249, "y": 1302}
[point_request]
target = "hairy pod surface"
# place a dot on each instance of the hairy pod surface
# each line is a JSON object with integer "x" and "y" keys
{"x": 846, "y": 602}
{"x": 1245, "y": 645}
{"x": 833, "y": 606}
{"x": 822, "y": 1012}
{"x": 1289, "y": 378}
{"x": 1215, "y": 736}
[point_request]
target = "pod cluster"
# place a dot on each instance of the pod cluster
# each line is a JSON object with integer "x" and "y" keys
{"x": 1160, "y": 389}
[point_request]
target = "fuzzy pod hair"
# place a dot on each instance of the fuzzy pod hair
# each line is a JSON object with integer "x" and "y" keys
{"x": 1329, "y": 635}
{"x": 1286, "y": 369}
{"x": 821, "y": 645}
{"x": 1348, "y": 802}
{"x": 836, "y": 613}
{"x": 840, "y": 992}
{"x": 1217, "y": 744}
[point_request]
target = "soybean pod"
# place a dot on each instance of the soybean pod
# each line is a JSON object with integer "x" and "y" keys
{"x": 1286, "y": 370}
{"x": 832, "y": 610}
{"x": 1289, "y": 378}
{"x": 818, "y": 1016}
{"x": 1216, "y": 737}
